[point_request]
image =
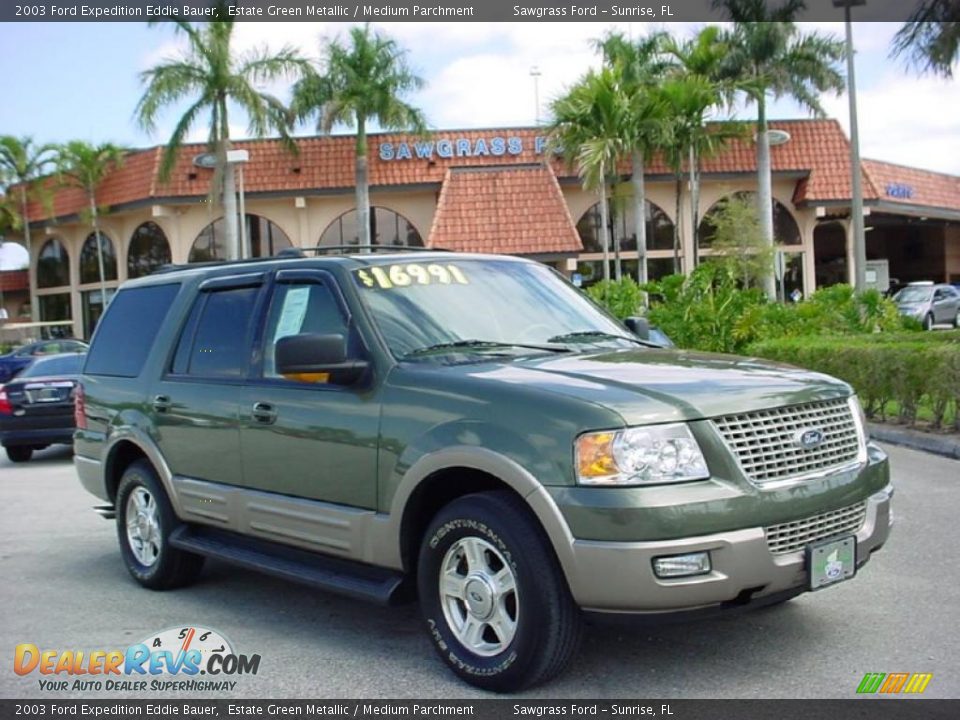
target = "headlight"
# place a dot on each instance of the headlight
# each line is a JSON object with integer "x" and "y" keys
{"x": 640, "y": 456}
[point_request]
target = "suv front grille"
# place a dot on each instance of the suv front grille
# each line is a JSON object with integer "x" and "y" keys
{"x": 793, "y": 536}
{"x": 766, "y": 442}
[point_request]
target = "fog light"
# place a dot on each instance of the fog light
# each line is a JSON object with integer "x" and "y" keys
{"x": 672, "y": 566}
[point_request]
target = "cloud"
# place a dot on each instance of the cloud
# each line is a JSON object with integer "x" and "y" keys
{"x": 906, "y": 120}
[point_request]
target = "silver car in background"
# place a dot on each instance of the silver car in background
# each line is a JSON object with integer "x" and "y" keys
{"x": 930, "y": 304}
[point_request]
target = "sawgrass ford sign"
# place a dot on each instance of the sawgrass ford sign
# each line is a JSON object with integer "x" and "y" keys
{"x": 459, "y": 147}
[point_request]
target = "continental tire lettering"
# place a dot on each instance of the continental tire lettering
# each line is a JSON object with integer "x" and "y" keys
{"x": 233, "y": 664}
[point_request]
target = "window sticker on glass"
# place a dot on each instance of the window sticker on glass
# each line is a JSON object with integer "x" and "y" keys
{"x": 293, "y": 312}
{"x": 390, "y": 277}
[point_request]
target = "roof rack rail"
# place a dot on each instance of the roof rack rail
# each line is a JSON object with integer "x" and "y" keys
{"x": 292, "y": 253}
{"x": 353, "y": 249}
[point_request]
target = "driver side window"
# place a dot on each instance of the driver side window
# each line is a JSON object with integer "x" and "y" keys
{"x": 299, "y": 308}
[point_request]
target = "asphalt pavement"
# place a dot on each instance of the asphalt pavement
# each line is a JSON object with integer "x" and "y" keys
{"x": 62, "y": 586}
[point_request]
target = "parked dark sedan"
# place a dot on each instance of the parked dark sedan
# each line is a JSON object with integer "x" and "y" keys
{"x": 15, "y": 361}
{"x": 36, "y": 408}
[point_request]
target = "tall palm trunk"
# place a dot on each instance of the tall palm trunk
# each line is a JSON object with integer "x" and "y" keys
{"x": 605, "y": 222}
{"x": 765, "y": 193}
{"x": 695, "y": 203}
{"x": 676, "y": 225}
{"x": 363, "y": 188}
{"x": 34, "y": 311}
{"x": 640, "y": 214}
{"x": 95, "y": 221}
{"x": 230, "y": 221}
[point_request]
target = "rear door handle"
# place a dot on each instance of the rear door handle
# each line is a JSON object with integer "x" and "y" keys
{"x": 161, "y": 403}
{"x": 264, "y": 413}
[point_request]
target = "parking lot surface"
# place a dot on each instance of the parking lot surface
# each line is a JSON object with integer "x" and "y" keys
{"x": 63, "y": 586}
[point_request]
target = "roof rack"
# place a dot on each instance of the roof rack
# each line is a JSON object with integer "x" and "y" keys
{"x": 353, "y": 249}
{"x": 292, "y": 253}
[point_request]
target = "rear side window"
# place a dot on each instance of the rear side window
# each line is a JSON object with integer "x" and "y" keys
{"x": 128, "y": 329}
{"x": 215, "y": 341}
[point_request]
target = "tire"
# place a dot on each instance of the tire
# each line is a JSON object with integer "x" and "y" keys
{"x": 537, "y": 623}
{"x": 928, "y": 322}
{"x": 19, "y": 453}
{"x": 145, "y": 546}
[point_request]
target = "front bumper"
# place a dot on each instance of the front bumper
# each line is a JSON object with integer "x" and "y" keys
{"x": 618, "y": 577}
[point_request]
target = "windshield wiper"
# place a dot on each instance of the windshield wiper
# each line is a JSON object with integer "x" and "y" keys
{"x": 479, "y": 345}
{"x": 598, "y": 334}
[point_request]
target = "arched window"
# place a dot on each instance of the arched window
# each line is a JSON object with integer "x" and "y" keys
{"x": 785, "y": 228}
{"x": 386, "y": 228}
{"x": 89, "y": 265}
{"x": 265, "y": 239}
{"x": 659, "y": 227}
{"x": 53, "y": 265}
{"x": 148, "y": 250}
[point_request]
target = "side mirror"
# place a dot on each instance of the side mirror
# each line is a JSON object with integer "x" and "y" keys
{"x": 638, "y": 326}
{"x": 318, "y": 358}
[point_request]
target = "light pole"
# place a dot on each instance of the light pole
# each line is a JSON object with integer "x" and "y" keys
{"x": 535, "y": 74}
{"x": 856, "y": 201}
{"x": 238, "y": 158}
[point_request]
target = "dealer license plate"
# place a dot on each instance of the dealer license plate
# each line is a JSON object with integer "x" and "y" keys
{"x": 831, "y": 561}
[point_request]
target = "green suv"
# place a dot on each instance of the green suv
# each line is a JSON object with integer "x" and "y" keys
{"x": 471, "y": 431}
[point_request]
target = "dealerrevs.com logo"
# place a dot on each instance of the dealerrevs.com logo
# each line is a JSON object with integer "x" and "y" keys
{"x": 172, "y": 660}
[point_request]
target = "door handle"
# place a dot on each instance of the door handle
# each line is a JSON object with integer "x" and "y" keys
{"x": 264, "y": 413}
{"x": 161, "y": 403}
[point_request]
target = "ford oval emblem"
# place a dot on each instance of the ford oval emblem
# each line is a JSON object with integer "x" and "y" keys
{"x": 810, "y": 438}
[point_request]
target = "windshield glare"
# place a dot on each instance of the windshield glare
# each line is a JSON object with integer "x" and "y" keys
{"x": 914, "y": 294}
{"x": 419, "y": 305}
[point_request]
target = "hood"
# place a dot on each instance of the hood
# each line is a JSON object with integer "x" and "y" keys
{"x": 648, "y": 385}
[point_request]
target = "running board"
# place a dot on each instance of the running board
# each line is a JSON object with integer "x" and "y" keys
{"x": 107, "y": 512}
{"x": 345, "y": 577}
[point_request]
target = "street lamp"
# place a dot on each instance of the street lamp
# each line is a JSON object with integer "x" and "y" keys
{"x": 856, "y": 201}
{"x": 238, "y": 158}
{"x": 535, "y": 74}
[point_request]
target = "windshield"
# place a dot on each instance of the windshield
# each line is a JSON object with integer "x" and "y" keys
{"x": 65, "y": 365}
{"x": 914, "y": 294}
{"x": 422, "y": 305}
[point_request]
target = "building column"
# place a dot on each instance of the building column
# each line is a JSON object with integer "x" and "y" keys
{"x": 809, "y": 257}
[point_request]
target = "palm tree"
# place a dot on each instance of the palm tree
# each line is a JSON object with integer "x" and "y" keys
{"x": 587, "y": 126}
{"x": 212, "y": 77}
{"x": 21, "y": 163}
{"x": 638, "y": 67}
{"x": 695, "y": 88}
{"x": 84, "y": 166}
{"x": 931, "y": 37}
{"x": 360, "y": 82}
{"x": 770, "y": 56}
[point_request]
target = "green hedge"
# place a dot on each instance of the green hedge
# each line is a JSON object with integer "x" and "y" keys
{"x": 909, "y": 371}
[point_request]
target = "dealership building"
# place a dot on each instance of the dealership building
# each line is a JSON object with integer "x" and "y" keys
{"x": 494, "y": 191}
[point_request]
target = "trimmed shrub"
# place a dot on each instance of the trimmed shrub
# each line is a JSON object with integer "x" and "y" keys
{"x": 621, "y": 298}
{"x": 921, "y": 372}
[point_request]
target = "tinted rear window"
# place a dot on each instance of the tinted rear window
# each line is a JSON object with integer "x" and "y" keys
{"x": 128, "y": 329}
{"x": 68, "y": 365}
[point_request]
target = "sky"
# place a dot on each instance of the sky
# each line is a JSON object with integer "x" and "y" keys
{"x": 66, "y": 81}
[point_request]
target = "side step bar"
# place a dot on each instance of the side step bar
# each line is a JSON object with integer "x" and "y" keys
{"x": 345, "y": 577}
{"x": 107, "y": 512}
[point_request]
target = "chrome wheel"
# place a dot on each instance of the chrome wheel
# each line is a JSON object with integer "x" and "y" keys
{"x": 478, "y": 594}
{"x": 143, "y": 526}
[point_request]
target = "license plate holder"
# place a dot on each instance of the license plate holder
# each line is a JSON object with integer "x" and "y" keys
{"x": 832, "y": 561}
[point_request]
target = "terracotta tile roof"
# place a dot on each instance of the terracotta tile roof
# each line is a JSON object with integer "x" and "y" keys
{"x": 818, "y": 150}
{"x": 517, "y": 210}
{"x": 911, "y": 186}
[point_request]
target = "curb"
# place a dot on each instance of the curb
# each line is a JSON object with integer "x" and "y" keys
{"x": 936, "y": 444}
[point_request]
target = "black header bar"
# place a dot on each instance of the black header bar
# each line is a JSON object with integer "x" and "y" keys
{"x": 603, "y": 11}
